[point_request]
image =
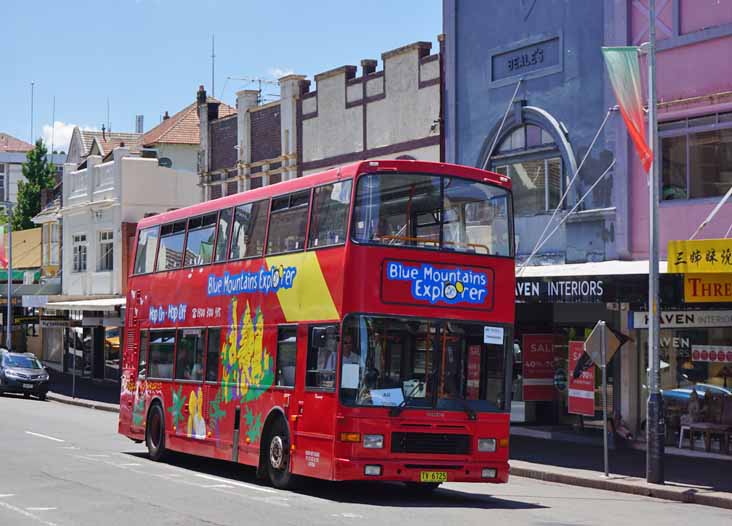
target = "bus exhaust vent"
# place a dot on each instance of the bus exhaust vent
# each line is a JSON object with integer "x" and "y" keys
{"x": 436, "y": 443}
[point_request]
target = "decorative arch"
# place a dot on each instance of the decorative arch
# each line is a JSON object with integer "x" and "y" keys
{"x": 524, "y": 115}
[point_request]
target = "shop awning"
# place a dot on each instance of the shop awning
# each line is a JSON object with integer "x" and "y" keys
{"x": 600, "y": 268}
{"x": 104, "y": 305}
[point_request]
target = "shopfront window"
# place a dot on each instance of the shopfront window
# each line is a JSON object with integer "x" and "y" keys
{"x": 692, "y": 359}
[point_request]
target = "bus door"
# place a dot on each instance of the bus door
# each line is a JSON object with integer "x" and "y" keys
{"x": 212, "y": 395}
{"x": 317, "y": 400}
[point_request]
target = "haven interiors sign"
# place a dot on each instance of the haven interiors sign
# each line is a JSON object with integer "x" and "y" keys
{"x": 568, "y": 290}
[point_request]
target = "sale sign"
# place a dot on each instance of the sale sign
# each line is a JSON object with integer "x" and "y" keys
{"x": 538, "y": 367}
{"x": 582, "y": 389}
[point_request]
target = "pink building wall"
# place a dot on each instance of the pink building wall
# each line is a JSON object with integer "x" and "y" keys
{"x": 701, "y": 72}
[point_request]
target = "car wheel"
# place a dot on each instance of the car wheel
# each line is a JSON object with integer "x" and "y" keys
{"x": 422, "y": 489}
{"x": 277, "y": 456}
{"x": 155, "y": 433}
{"x": 26, "y": 395}
{"x": 42, "y": 397}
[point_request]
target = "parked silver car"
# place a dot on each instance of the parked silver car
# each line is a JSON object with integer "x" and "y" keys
{"x": 22, "y": 373}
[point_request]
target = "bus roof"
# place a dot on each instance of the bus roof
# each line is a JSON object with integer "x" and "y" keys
{"x": 334, "y": 174}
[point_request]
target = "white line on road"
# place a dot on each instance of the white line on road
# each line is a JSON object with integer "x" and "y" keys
{"x": 34, "y": 508}
{"x": 6, "y": 495}
{"x": 44, "y": 436}
{"x": 236, "y": 483}
{"x": 27, "y": 514}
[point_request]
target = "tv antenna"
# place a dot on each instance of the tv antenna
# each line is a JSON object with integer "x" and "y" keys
{"x": 259, "y": 82}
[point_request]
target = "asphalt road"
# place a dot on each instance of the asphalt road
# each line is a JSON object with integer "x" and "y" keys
{"x": 63, "y": 465}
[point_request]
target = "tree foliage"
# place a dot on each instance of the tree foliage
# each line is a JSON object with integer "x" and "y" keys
{"x": 38, "y": 174}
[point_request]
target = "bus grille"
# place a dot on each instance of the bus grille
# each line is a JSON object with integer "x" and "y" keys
{"x": 443, "y": 444}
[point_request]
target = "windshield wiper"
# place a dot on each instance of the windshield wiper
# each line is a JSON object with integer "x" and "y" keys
{"x": 469, "y": 410}
{"x": 396, "y": 411}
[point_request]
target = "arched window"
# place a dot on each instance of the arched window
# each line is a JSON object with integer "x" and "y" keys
{"x": 530, "y": 157}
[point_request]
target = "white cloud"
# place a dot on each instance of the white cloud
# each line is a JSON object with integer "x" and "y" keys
{"x": 59, "y": 135}
{"x": 278, "y": 73}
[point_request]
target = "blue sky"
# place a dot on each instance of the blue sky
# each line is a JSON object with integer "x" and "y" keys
{"x": 149, "y": 56}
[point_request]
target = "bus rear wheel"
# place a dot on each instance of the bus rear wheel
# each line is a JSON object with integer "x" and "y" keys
{"x": 277, "y": 456}
{"x": 155, "y": 433}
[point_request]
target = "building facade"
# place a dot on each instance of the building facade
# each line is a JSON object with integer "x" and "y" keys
{"x": 102, "y": 204}
{"x": 389, "y": 113}
{"x": 594, "y": 266}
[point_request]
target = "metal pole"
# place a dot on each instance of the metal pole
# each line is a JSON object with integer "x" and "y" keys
{"x": 9, "y": 321}
{"x": 654, "y": 419}
{"x": 604, "y": 398}
{"x": 33, "y": 141}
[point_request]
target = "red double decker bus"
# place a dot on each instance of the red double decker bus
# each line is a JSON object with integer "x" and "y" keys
{"x": 354, "y": 324}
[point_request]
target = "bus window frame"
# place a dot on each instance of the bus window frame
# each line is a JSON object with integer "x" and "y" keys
{"x": 160, "y": 239}
{"x": 231, "y": 230}
{"x": 175, "y": 356}
{"x": 185, "y": 241}
{"x": 511, "y": 226}
{"x": 293, "y": 387}
{"x": 157, "y": 247}
{"x": 348, "y": 216}
{"x": 175, "y": 353}
{"x": 272, "y": 199}
{"x": 205, "y": 359}
{"x": 336, "y": 375}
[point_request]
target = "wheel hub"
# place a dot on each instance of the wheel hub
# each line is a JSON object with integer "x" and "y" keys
{"x": 277, "y": 452}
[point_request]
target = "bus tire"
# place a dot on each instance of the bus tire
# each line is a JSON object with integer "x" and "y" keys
{"x": 421, "y": 489}
{"x": 155, "y": 433}
{"x": 277, "y": 456}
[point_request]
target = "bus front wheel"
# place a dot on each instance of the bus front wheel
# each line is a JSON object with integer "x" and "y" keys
{"x": 155, "y": 433}
{"x": 277, "y": 456}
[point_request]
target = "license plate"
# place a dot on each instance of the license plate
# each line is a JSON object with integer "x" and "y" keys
{"x": 433, "y": 476}
{"x": 28, "y": 386}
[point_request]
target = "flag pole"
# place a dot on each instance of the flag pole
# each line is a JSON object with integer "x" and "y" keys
{"x": 655, "y": 432}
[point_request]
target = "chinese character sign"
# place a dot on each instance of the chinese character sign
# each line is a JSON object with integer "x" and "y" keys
{"x": 538, "y": 367}
{"x": 700, "y": 256}
{"x": 581, "y": 399}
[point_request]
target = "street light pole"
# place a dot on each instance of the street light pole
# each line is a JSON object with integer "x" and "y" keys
{"x": 9, "y": 314}
{"x": 655, "y": 432}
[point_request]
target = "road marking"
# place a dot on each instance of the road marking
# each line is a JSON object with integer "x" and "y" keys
{"x": 347, "y": 515}
{"x": 211, "y": 486}
{"x": 44, "y": 436}
{"x": 97, "y": 455}
{"x": 236, "y": 483}
{"x": 71, "y": 447}
{"x": 39, "y": 509}
{"x": 27, "y": 514}
{"x": 6, "y": 495}
{"x": 128, "y": 464}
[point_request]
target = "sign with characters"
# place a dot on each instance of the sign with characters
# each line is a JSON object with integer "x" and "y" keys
{"x": 700, "y": 256}
{"x": 581, "y": 399}
{"x": 538, "y": 367}
{"x": 436, "y": 285}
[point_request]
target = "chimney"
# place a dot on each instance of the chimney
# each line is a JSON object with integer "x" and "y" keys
{"x": 139, "y": 123}
{"x": 201, "y": 95}
{"x": 166, "y": 116}
{"x": 368, "y": 66}
{"x": 213, "y": 111}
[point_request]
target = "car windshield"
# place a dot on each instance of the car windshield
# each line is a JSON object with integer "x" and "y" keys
{"x": 437, "y": 212}
{"x": 394, "y": 362}
{"x": 21, "y": 362}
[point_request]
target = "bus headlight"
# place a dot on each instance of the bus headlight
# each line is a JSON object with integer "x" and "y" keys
{"x": 487, "y": 445}
{"x": 373, "y": 441}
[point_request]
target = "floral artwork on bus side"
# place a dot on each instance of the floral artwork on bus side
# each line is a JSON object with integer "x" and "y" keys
{"x": 196, "y": 425}
{"x": 247, "y": 366}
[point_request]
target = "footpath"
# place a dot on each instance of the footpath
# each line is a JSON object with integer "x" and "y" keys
{"x": 688, "y": 479}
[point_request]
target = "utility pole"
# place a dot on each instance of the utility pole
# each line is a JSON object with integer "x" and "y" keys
{"x": 9, "y": 314}
{"x": 655, "y": 425}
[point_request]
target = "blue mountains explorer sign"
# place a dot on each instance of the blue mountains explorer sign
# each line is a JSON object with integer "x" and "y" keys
{"x": 451, "y": 286}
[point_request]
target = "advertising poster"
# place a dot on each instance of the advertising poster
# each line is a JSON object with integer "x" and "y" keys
{"x": 581, "y": 399}
{"x": 473, "y": 372}
{"x": 538, "y": 367}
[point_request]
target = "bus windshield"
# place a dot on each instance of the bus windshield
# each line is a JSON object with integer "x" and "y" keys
{"x": 432, "y": 211}
{"x": 422, "y": 363}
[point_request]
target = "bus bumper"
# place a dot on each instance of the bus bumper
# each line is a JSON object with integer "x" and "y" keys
{"x": 411, "y": 470}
